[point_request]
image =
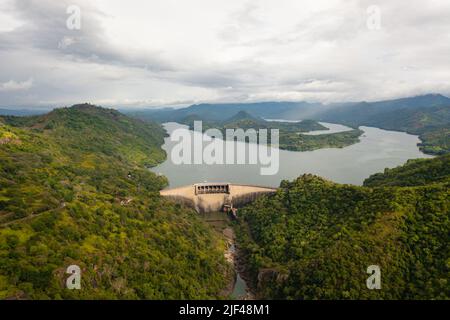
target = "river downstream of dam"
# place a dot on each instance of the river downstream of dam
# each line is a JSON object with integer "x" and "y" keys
{"x": 378, "y": 149}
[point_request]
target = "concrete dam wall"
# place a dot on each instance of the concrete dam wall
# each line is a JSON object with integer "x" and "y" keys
{"x": 211, "y": 197}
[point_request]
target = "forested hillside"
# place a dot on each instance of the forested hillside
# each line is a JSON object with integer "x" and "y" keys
{"x": 415, "y": 172}
{"x": 75, "y": 190}
{"x": 315, "y": 239}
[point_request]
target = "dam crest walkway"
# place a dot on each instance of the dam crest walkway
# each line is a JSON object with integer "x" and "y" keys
{"x": 211, "y": 197}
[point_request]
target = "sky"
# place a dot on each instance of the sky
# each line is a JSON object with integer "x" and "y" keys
{"x": 152, "y": 53}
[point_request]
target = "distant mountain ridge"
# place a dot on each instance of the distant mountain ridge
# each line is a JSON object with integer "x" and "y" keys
{"x": 345, "y": 111}
{"x": 21, "y": 112}
{"x": 364, "y": 112}
{"x": 224, "y": 111}
{"x": 427, "y": 116}
{"x": 243, "y": 115}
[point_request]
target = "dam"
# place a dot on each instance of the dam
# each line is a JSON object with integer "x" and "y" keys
{"x": 212, "y": 197}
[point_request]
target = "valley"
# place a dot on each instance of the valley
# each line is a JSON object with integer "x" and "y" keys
{"x": 81, "y": 185}
{"x": 185, "y": 156}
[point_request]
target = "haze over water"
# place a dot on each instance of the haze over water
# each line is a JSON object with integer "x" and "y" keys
{"x": 377, "y": 150}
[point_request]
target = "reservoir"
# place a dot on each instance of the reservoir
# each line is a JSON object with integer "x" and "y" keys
{"x": 378, "y": 149}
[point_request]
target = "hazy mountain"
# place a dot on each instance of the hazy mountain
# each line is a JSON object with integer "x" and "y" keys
{"x": 21, "y": 112}
{"x": 242, "y": 115}
{"x": 221, "y": 112}
{"x": 346, "y": 112}
{"x": 365, "y": 112}
{"x": 426, "y": 116}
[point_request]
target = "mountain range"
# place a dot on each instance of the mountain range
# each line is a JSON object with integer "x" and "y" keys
{"x": 427, "y": 116}
{"x": 355, "y": 112}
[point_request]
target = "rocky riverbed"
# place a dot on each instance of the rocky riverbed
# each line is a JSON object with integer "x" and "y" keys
{"x": 240, "y": 290}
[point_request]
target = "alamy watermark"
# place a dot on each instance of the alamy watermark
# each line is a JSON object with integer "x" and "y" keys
{"x": 191, "y": 148}
{"x": 374, "y": 281}
{"x": 373, "y": 18}
{"x": 73, "y": 22}
{"x": 73, "y": 282}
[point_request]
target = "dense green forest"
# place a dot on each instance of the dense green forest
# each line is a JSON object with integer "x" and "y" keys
{"x": 314, "y": 239}
{"x": 416, "y": 172}
{"x": 75, "y": 190}
{"x": 290, "y": 132}
{"x": 301, "y": 142}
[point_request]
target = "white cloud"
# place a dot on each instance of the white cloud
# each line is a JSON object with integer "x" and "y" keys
{"x": 7, "y": 21}
{"x": 164, "y": 52}
{"x": 12, "y": 85}
{"x": 66, "y": 42}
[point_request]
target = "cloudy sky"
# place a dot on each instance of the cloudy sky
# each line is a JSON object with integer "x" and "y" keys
{"x": 172, "y": 52}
